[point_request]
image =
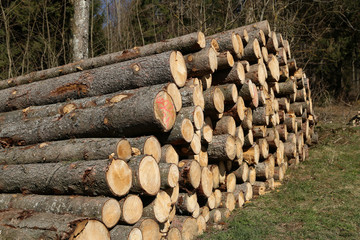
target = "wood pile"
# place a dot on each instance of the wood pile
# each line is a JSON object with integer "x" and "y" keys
{"x": 156, "y": 142}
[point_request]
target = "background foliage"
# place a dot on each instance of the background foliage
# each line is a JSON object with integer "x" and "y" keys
{"x": 324, "y": 35}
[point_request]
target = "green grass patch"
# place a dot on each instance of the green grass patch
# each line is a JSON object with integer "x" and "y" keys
{"x": 320, "y": 199}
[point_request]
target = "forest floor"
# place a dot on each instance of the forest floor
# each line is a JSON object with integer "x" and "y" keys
{"x": 319, "y": 199}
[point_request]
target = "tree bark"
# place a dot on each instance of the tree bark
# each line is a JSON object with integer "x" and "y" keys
{"x": 201, "y": 63}
{"x": 225, "y": 60}
{"x": 235, "y": 75}
{"x": 67, "y": 150}
{"x": 104, "y": 209}
{"x": 141, "y": 114}
{"x": 96, "y": 177}
{"x": 156, "y": 69}
{"x": 222, "y": 147}
{"x": 60, "y": 227}
{"x": 185, "y": 44}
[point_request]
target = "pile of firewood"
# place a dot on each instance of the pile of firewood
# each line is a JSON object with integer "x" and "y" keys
{"x": 154, "y": 142}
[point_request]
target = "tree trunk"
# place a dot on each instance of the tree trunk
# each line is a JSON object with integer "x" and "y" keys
{"x": 185, "y": 44}
{"x": 141, "y": 114}
{"x": 235, "y": 75}
{"x": 104, "y": 209}
{"x": 67, "y": 150}
{"x": 156, "y": 69}
{"x": 96, "y": 177}
{"x": 53, "y": 225}
{"x": 80, "y": 30}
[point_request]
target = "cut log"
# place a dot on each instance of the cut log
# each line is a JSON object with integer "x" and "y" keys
{"x": 226, "y": 125}
{"x": 196, "y": 212}
{"x": 112, "y": 177}
{"x": 156, "y": 69}
{"x": 259, "y": 35}
{"x": 246, "y": 188}
{"x": 290, "y": 149}
{"x": 259, "y": 131}
{"x": 206, "y": 81}
{"x": 190, "y": 174}
{"x": 270, "y": 184}
{"x": 215, "y": 216}
{"x": 284, "y": 104}
{"x": 272, "y": 44}
{"x": 228, "y": 201}
{"x": 174, "y": 234}
{"x": 290, "y": 122}
{"x": 185, "y": 44}
{"x": 20, "y": 224}
{"x": 278, "y": 173}
{"x": 126, "y": 232}
{"x": 145, "y": 175}
{"x": 272, "y": 137}
{"x": 259, "y": 188}
{"x": 206, "y": 183}
{"x": 215, "y": 173}
{"x": 229, "y": 184}
{"x": 263, "y": 147}
{"x": 247, "y": 91}
{"x": 222, "y": 147}
{"x": 230, "y": 93}
{"x": 140, "y": 114}
{"x": 206, "y": 132}
{"x": 214, "y": 101}
{"x": 211, "y": 201}
{"x": 159, "y": 209}
{"x": 237, "y": 111}
{"x": 252, "y": 155}
{"x": 239, "y": 149}
{"x": 274, "y": 70}
{"x": 287, "y": 88}
{"x": 262, "y": 171}
{"x": 201, "y": 63}
{"x": 282, "y": 130}
{"x": 192, "y": 96}
{"x": 145, "y": 146}
{"x": 292, "y": 66}
{"x": 248, "y": 140}
{"x": 169, "y": 175}
{"x": 264, "y": 54}
{"x": 242, "y": 173}
{"x": 131, "y": 208}
{"x": 187, "y": 226}
{"x": 218, "y": 195}
{"x": 257, "y": 74}
{"x": 182, "y": 132}
{"x": 73, "y": 149}
{"x": 173, "y": 193}
{"x": 104, "y": 209}
{"x": 63, "y": 108}
{"x": 239, "y": 198}
{"x": 149, "y": 228}
{"x": 235, "y": 75}
{"x": 202, "y": 157}
{"x": 225, "y": 60}
{"x": 205, "y": 212}
{"x": 252, "y": 175}
{"x": 193, "y": 148}
{"x": 287, "y": 48}
{"x": 226, "y": 41}
{"x": 169, "y": 154}
{"x": 252, "y": 51}
{"x": 284, "y": 73}
{"x": 246, "y": 124}
{"x": 297, "y": 108}
{"x": 260, "y": 116}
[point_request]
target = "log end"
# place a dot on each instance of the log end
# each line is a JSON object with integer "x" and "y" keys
{"x": 149, "y": 175}
{"x": 187, "y": 130}
{"x": 230, "y": 147}
{"x": 119, "y": 177}
{"x": 178, "y": 68}
{"x": 196, "y": 144}
{"x": 90, "y": 230}
{"x": 198, "y": 97}
{"x": 123, "y": 149}
{"x": 206, "y": 181}
{"x": 175, "y": 94}
{"x": 111, "y": 213}
{"x": 173, "y": 176}
{"x": 195, "y": 174}
{"x": 152, "y": 147}
{"x": 241, "y": 73}
{"x": 164, "y": 110}
{"x": 132, "y": 209}
{"x": 198, "y": 117}
{"x": 162, "y": 206}
{"x": 219, "y": 99}
{"x": 201, "y": 39}
{"x": 213, "y": 60}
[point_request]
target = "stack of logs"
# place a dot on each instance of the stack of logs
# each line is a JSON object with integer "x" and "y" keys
{"x": 155, "y": 142}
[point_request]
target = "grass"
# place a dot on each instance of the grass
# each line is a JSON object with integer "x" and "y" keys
{"x": 319, "y": 199}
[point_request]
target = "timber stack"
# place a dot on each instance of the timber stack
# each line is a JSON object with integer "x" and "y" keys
{"x": 155, "y": 142}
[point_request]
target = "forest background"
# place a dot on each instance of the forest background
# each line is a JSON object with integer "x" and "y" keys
{"x": 324, "y": 35}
